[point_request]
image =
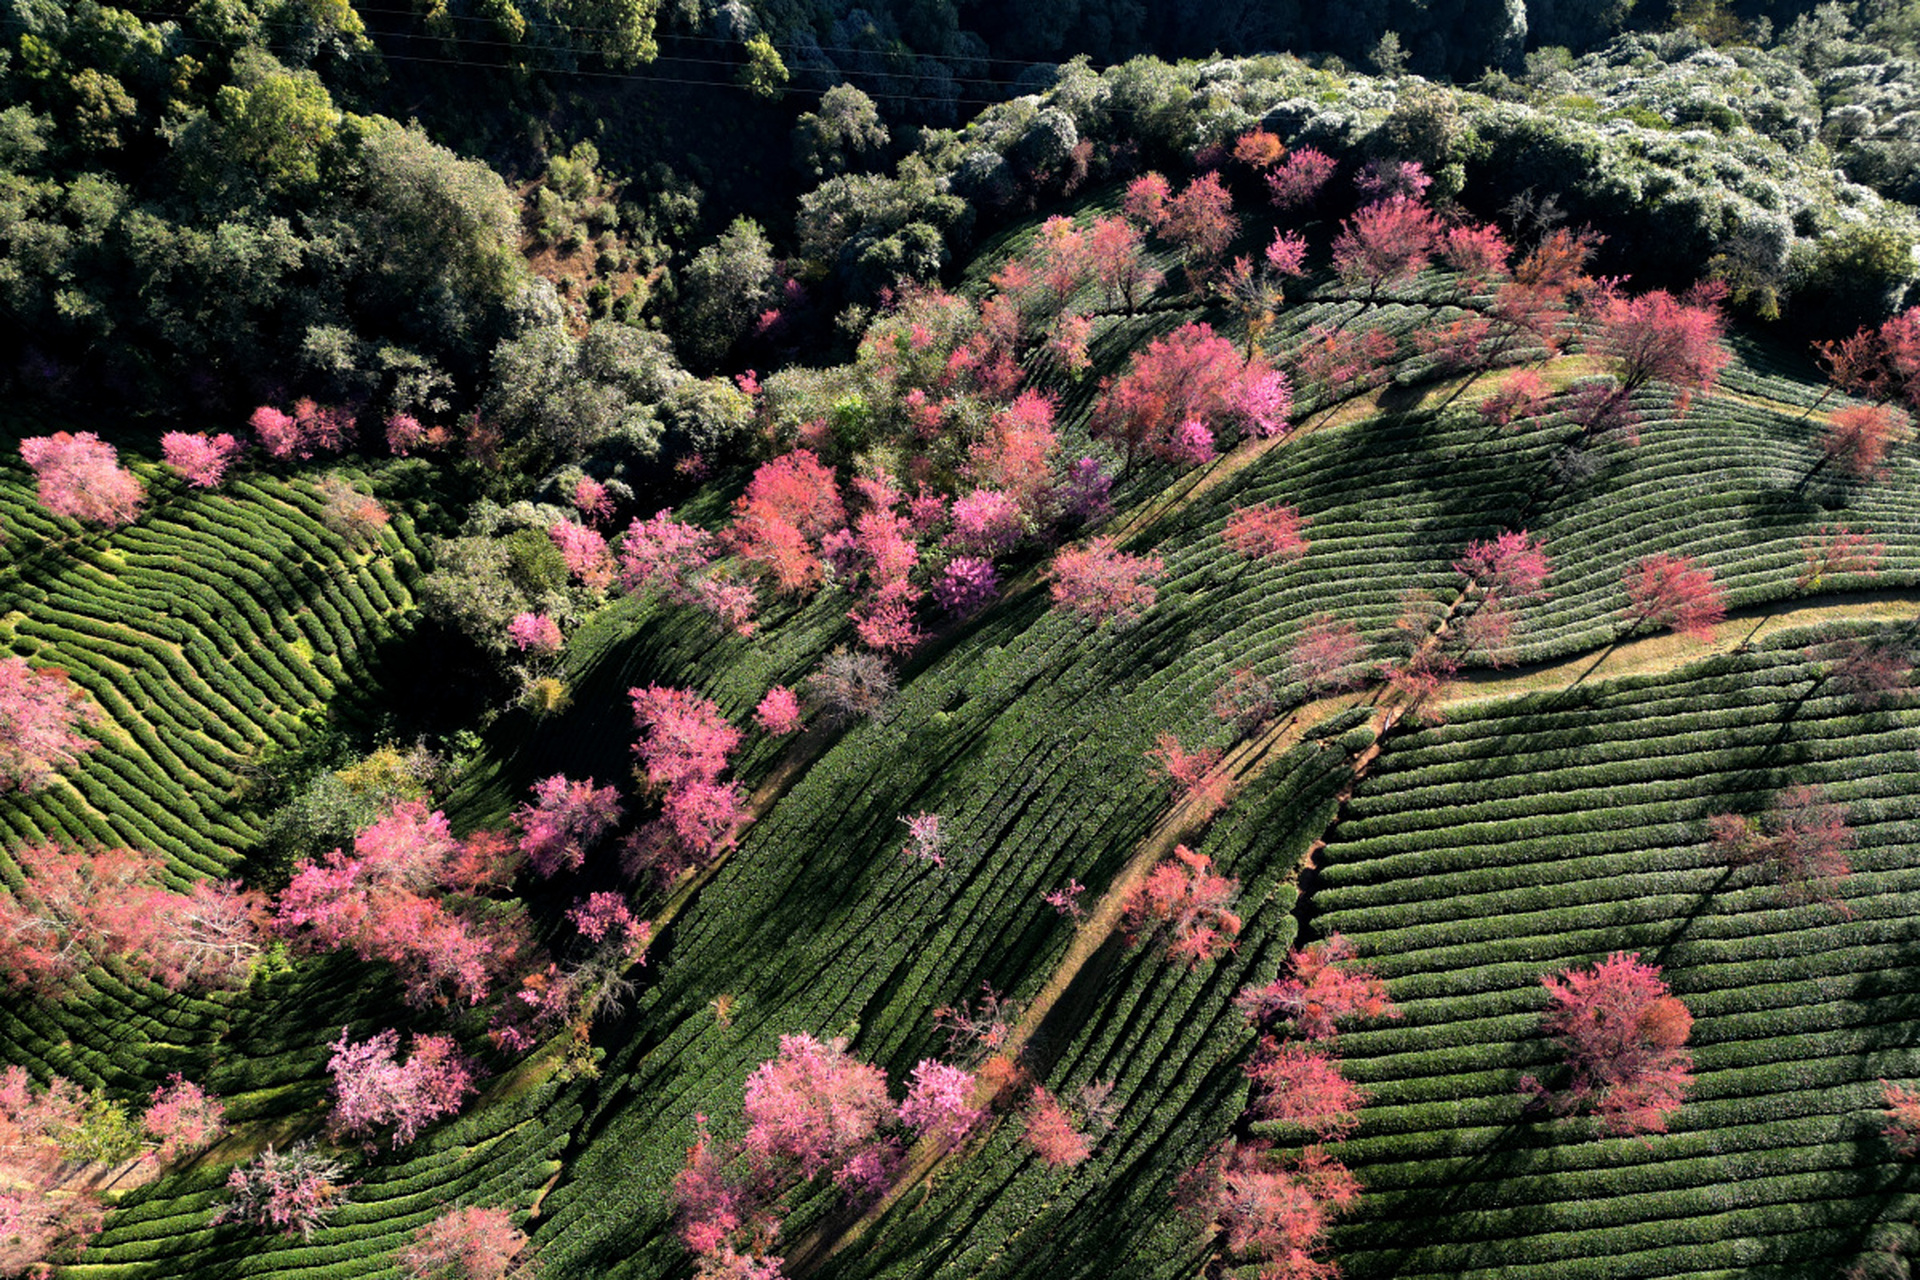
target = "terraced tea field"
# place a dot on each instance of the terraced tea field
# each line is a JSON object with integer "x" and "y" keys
{"x": 1537, "y": 828}
{"x": 1531, "y": 834}
{"x": 218, "y": 628}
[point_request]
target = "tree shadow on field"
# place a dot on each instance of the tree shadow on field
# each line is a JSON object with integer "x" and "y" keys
{"x": 1474, "y": 1185}
{"x": 1780, "y": 512}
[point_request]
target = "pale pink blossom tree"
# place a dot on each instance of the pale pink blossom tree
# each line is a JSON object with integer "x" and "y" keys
{"x": 80, "y": 477}
{"x": 469, "y": 1243}
{"x": 813, "y": 1107}
{"x": 372, "y": 1089}
{"x": 182, "y": 1118}
{"x": 939, "y": 1102}
{"x": 293, "y": 1191}
{"x": 41, "y": 712}
{"x": 202, "y": 459}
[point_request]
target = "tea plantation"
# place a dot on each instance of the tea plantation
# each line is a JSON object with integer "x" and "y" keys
{"x": 1526, "y": 833}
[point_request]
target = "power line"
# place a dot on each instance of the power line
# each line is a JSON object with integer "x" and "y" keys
{"x": 631, "y": 77}
{"x": 824, "y": 48}
{"x": 663, "y": 57}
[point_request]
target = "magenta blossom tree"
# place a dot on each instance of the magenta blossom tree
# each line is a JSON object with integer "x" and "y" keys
{"x": 564, "y": 821}
{"x": 779, "y": 712}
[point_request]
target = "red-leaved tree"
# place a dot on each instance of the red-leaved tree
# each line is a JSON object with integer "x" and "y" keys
{"x": 1051, "y": 1133}
{"x": 1324, "y": 988}
{"x": 75, "y": 909}
{"x": 311, "y": 428}
{"x": 41, "y": 712}
{"x": 1519, "y": 398}
{"x": 1514, "y": 566}
{"x": 585, "y": 552}
{"x": 469, "y": 1243}
{"x": 1299, "y": 180}
{"x": 684, "y": 748}
{"x": 779, "y": 712}
{"x": 1187, "y": 903}
{"x": 1335, "y": 363}
{"x": 1666, "y": 590}
{"x": 1102, "y": 583}
{"x": 1858, "y": 438}
{"x": 80, "y": 476}
{"x": 385, "y": 902}
{"x": 1902, "y": 1131}
{"x": 1200, "y": 220}
{"x": 1624, "y": 1035}
{"x": 1268, "y": 530}
{"x": 1878, "y": 364}
{"x": 812, "y": 1108}
{"x": 535, "y": 633}
{"x": 1117, "y": 251}
{"x": 666, "y": 554}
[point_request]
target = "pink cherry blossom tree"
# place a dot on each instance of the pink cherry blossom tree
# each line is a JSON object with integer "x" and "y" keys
{"x": 1324, "y": 987}
{"x": 372, "y": 1089}
{"x": 1266, "y": 531}
{"x": 535, "y": 633}
{"x": 1187, "y": 903}
{"x": 939, "y": 1102}
{"x": 1101, "y": 583}
{"x": 1666, "y": 590}
{"x": 202, "y": 459}
{"x": 293, "y": 1191}
{"x": 564, "y": 821}
{"x": 41, "y": 712}
{"x": 469, "y": 1243}
{"x": 779, "y": 712}
{"x": 1624, "y": 1035}
{"x": 182, "y": 1118}
{"x": 80, "y": 477}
